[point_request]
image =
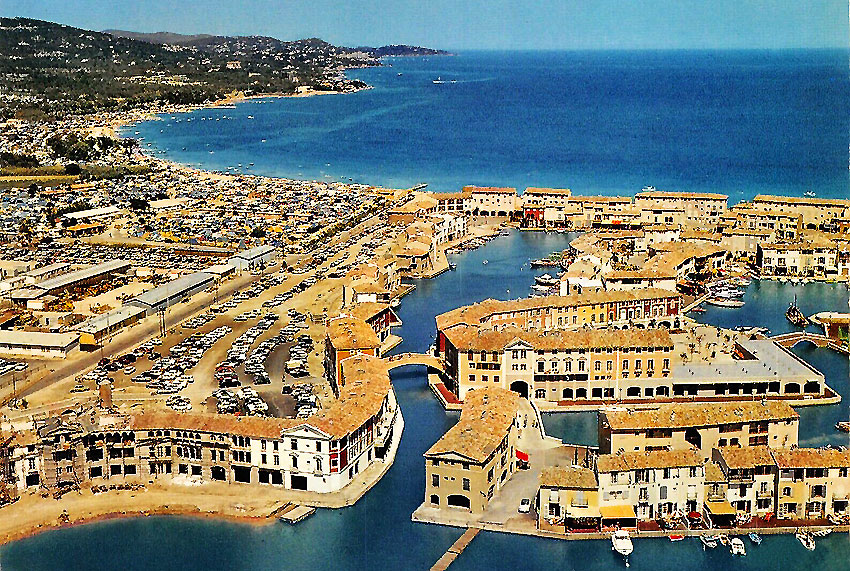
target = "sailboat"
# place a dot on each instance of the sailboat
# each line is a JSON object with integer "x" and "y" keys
{"x": 795, "y": 316}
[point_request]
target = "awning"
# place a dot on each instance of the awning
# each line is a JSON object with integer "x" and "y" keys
{"x": 720, "y": 508}
{"x": 618, "y": 512}
{"x": 522, "y": 455}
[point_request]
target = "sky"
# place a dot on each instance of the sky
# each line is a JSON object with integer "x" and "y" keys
{"x": 475, "y": 24}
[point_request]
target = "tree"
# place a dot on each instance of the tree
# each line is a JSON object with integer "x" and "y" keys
{"x": 258, "y": 232}
{"x": 73, "y": 169}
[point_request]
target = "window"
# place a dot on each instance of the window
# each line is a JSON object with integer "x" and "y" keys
{"x": 625, "y": 364}
{"x": 293, "y": 444}
{"x": 435, "y": 480}
{"x": 662, "y": 492}
{"x": 466, "y": 484}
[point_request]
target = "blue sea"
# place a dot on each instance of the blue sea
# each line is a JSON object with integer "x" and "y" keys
{"x": 739, "y": 123}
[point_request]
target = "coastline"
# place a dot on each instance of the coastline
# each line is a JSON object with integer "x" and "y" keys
{"x": 33, "y": 514}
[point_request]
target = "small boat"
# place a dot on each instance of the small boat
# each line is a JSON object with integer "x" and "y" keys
{"x": 843, "y": 426}
{"x": 677, "y": 537}
{"x": 438, "y": 81}
{"x": 485, "y": 262}
{"x": 723, "y": 539}
{"x": 822, "y": 532}
{"x": 541, "y": 288}
{"x": 546, "y": 280}
{"x": 709, "y": 541}
{"x": 720, "y": 302}
{"x": 622, "y": 544}
{"x": 648, "y": 189}
{"x": 736, "y": 547}
{"x": 809, "y": 194}
{"x": 795, "y": 316}
{"x": 544, "y": 263}
{"x": 395, "y": 303}
{"x": 754, "y": 537}
{"x": 806, "y": 539}
{"x": 697, "y": 310}
{"x": 452, "y": 266}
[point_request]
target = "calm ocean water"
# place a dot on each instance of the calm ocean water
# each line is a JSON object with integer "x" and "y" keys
{"x": 597, "y": 122}
{"x": 737, "y": 123}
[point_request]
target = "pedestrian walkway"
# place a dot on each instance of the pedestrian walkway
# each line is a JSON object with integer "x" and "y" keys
{"x": 456, "y": 549}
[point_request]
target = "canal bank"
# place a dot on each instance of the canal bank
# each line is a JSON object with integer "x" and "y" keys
{"x": 378, "y": 531}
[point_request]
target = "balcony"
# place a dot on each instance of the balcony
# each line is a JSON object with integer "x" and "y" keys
{"x": 764, "y": 493}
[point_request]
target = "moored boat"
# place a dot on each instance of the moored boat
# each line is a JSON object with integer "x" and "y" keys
{"x": 720, "y": 302}
{"x": 709, "y": 541}
{"x": 546, "y": 280}
{"x": 843, "y": 426}
{"x": 622, "y": 544}
{"x": 754, "y": 537}
{"x": 677, "y": 537}
{"x": 806, "y": 539}
{"x": 795, "y": 316}
{"x": 736, "y": 547}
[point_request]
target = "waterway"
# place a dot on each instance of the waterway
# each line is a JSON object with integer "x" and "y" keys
{"x": 740, "y": 123}
{"x": 377, "y": 532}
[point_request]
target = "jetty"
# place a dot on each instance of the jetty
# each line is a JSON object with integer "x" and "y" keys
{"x": 295, "y": 513}
{"x": 456, "y": 549}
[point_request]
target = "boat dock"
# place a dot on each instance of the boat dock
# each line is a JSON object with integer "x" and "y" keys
{"x": 294, "y": 513}
{"x": 456, "y": 549}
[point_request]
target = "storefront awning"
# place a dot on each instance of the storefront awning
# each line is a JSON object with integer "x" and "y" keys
{"x": 720, "y": 508}
{"x": 522, "y": 455}
{"x": 618, "y": 512}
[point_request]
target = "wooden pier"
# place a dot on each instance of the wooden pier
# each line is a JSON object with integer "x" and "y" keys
{"x": 296, "y": 513}
{"x": 456, "y": 549}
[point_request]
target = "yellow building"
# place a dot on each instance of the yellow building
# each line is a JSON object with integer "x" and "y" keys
{"x": 567, "y": 499}
{"x": 701, "y": 426}
{"x": 812, "y": 483}
{"x": 467, "y": 466}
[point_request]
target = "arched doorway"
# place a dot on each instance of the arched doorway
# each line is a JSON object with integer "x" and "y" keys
{"x": 458, "y": 501}
{"x": 521, "y": 388}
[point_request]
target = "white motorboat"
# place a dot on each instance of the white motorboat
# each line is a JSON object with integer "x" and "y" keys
{"x": 622, "y": 544}
{"x": 546, "y": 280}
{"x": 709, "y": 541}
{"x": 806, "y": 539}
{"x": 736, "y": 547}
{"x": 719, "y": 302}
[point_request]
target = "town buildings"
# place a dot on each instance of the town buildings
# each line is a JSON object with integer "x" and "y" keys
{"x": 323, "y": 453}
{"x": 468, "y": 465}
{"x": 703, "y": 427}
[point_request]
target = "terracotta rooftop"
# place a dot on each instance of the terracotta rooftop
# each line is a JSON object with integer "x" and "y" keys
{"x": 490, "y": 189}
{"x": 713, "y": 473}
{"x": 811, "y": 458}
{"x": 466, "y": 338}
{"x": 704, "y": 414}
{"x": 801, "y": 201}
{"x": 351, "y": 333}
{"x": 750, "y": 457}
{"x": 485, "y": 419}
{"x": 683, "y": 195}
{"x": 574, "y": 477}
{"x": 531, "y": 190}
{"x": 650, "y": 459}
{"x": 478, "y": 312}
